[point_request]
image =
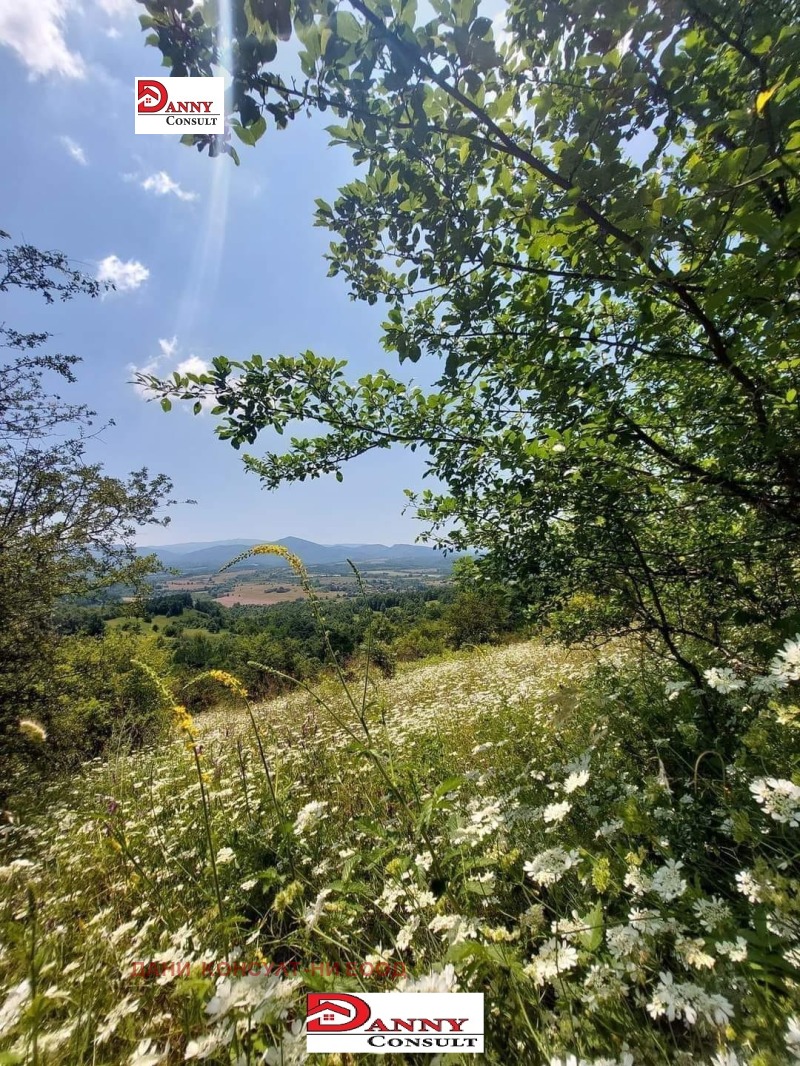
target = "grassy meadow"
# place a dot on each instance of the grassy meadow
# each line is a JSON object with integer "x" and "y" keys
{"x": 506, "y": 820}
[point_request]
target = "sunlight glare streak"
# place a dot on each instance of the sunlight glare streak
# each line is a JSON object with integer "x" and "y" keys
{"x": 203, "y": 274}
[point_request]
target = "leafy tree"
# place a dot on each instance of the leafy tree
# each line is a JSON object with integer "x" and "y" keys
{"x": 592, "y": 222}
{"x": 480, "y": 610}
{"x": 66, "y": 528}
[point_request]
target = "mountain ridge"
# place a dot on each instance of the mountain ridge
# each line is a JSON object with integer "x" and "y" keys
{"x": 205, "y": 555}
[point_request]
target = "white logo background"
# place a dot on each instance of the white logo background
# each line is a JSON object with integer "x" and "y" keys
{"x": 192, "y": 105}
{"x": 410, "y": 1023}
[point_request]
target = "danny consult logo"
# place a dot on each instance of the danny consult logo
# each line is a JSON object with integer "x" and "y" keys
{"x": 179, "y": 105}
{"x": 433, "y": 1023}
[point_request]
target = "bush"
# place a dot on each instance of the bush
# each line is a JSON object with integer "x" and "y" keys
{"x": 384, "y": 659}
{"x": 104, "y": 698}
{"x": 426, "y": 638}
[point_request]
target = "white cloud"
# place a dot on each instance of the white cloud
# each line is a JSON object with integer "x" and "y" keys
{"x": 193, "y": 365}
{"x": 124, "y": 276}
{"x": 161, "y": 184}
{"x": 168, "y": 348}
{"x": 34, "y": 29}
{"x": 148, "y": 368}
{"x": 159, "y": 366}
{"x": 74, "y": 150}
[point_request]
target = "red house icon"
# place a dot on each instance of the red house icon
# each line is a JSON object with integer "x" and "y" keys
{"x": 322, "y": 1011}
{"x": 151, "y": 96}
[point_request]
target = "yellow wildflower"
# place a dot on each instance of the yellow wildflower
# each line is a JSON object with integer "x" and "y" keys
{"x": 163, "y": 691}
{"x": 294, "y": 561}
{"x": 395, "y": 867}
{"x": 507, "y": 860}
{"x": 229, "y": 681}
{"x": 286, "y": 897}
{"x": 183, "y": 720}
{"x": 601, "y": 874}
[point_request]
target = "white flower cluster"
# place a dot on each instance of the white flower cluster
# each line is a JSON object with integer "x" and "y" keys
{"x": 485, "y": 818}
{"x": 455, "y": 927}
{"x": 723, "y": 679}
{"x": 309, "y": 816}
{"x": 666, "y": 882}
{"x": 711, "y": 913}
{"x": 673, "y": 689}
{"x": 693, "y": 953}
{"x": 786, "y": 663}
{"x": 444, "y": 980}
{"x": 785, "y": 667}
{"x": 14, "y": 1004}
{"x": 779, "y": 798}
{"x": 554, "y": 957}
{"x": 624, "y": 941}
{"x": 735, "y": 950}
{"x": 626, "y": 1059}
{"x": 792, "y": 1038}
{"x": 313, "y": 913}
{"x": 603, "y": 983}
{"x": 749, "y": 887}
{"x": 550, "y": 866}
{"x": 554, "y": 813}
{"x": 576, "y": 780}
{"x": 684, "y": 999}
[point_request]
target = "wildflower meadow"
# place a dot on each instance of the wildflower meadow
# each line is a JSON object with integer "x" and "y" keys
{"x": 530, "y": 821}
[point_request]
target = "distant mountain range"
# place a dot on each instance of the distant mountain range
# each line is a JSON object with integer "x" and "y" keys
{"x": 202, "y": 556}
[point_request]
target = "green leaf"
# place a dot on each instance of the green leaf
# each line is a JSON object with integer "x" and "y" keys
{"x": 450, "y": 784}
{"x": 258, "y": 129}
{"x": 593, "y": 937}
{"x": 243, "y": 133}
{"x": 347, "y": 27}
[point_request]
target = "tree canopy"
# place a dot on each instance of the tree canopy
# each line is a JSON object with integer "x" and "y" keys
{"x": 590, "y": 217}
{"x": 65, "y": 525}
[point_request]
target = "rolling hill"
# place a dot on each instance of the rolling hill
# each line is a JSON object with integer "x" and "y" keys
{"x": 199, "y": 557}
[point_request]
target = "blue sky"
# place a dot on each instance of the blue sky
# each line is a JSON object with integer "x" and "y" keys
{"x": 209, "y": 259}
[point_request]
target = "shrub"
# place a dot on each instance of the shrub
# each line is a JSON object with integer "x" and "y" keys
{"x": 106, "y": 700}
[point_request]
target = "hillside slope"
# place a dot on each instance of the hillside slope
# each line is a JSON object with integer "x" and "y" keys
{"x": 507, "y": 821}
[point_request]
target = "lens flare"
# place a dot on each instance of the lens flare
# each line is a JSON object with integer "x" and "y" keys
{"x": 203, "y": 273}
